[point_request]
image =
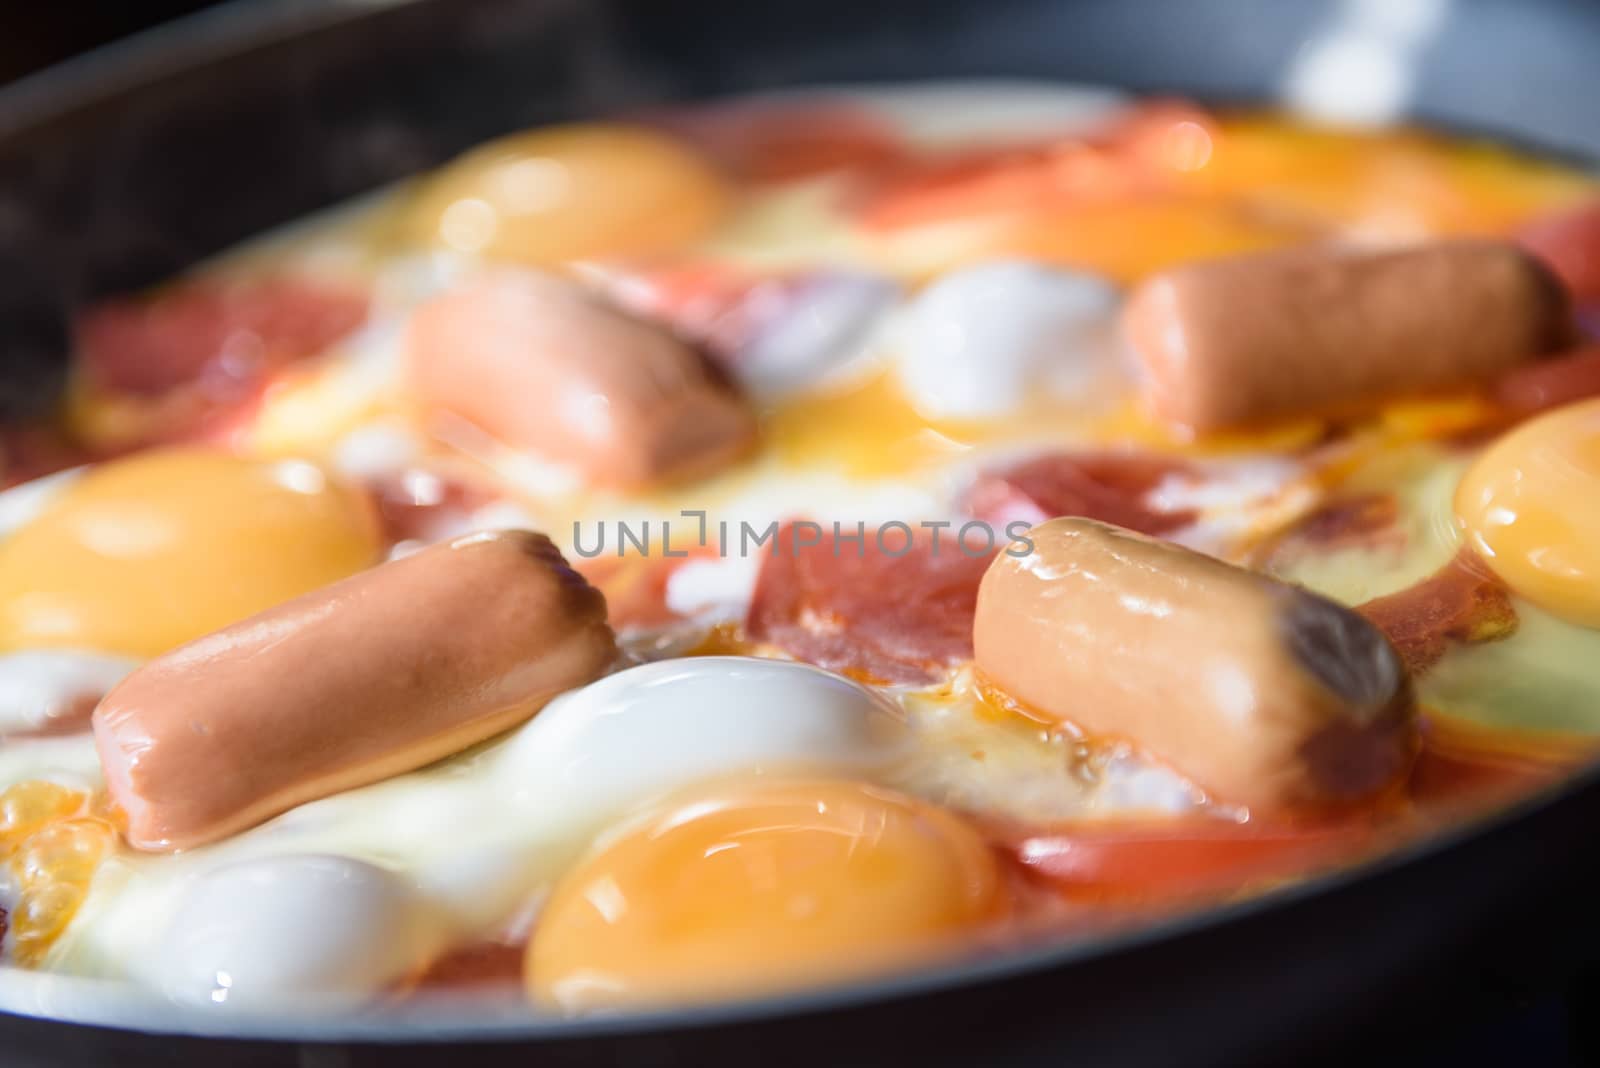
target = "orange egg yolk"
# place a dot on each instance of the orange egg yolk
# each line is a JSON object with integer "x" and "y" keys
{"x": 1530, "y": 506}
{"x": 761, "y": 886}
{"x": 140, "y": 555}
{"x": 571, "y": 192}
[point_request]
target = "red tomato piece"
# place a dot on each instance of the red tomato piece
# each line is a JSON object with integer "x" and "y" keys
{"x": 1110, "y": 487}
{"x": 635, "y": 588}
{"x": 1569, "y": 241}
{"x": 477, "y": 964}
{"x": 201, "y": 330}
{"x": 33, "y": 450}
{"x": 1463, "y": 764}
{"x": 1153, "y": 861}
{"x": 1551, "y": 383}
{"x": 895, "y": 608}
{"x": 417, "y": 505}
{"x": 1136, "y": 153}
{"x": 781, "y": 141}
{"x": 720, "y": 308}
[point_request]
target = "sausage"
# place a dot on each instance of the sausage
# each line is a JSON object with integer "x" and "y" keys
{"x": 538, "y": 363}
{"x": 1260, "y": 692}
{"x": 377, "y": 674}
{"x": 1319, "y": 331}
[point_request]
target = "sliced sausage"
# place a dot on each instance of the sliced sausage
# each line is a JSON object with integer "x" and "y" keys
{"x": 1260, "y": 692}
{"x": 213, "y": 331}
{"x": 891, "y": 606}
{"x": 372, "y": 676}
{"x": 1311, "y": 331}
{"x": 1110, "y": 486}
{"x": 538, "y": 363}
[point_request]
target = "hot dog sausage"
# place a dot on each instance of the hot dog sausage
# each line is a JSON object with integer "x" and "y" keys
{"x": 538, "y": 363}
{"x": 377, "y": 674}
{"x": 1307, "y": 331}
{"x": 1259, "y": 691}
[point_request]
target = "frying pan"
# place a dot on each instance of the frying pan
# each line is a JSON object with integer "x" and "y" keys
{"x": 129, "y": 164}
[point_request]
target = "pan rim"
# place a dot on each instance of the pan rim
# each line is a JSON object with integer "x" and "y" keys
{"x": 239, "y": 26}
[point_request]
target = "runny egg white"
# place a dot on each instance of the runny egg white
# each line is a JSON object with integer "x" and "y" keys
{"x": 322, "y": 929}
{"x": 477, "y": 836}
{"x": 471, "y": 843}
{"x": 982, "y": 341}
{"x": 42, "y": 686}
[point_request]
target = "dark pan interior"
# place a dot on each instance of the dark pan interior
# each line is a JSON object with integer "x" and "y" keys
{"x": 130, "y": 164}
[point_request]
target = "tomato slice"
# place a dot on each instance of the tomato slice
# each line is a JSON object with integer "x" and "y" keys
{"x": 1138, "y": 153}
{"x": 1551, "y": 383}
{"x": 1159, "y": 861}
{"x": 781, "y": 141}
{"x": 419, "y": 505}
{"x": 476, "y": 964}
{"x": 1569, "y": 241}
{"x": 1463, "y": 764}
{"x": 33, "y": 450}
{"x": 1461, "y": 768}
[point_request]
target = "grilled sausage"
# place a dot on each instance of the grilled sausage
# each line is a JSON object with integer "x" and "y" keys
{"x": 1260, "y": 692}
{"x": 538, "y": 363}
{"x": 1313, "y": 331}
{"x": 380, "y": 673}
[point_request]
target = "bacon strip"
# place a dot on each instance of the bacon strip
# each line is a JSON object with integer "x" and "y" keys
{"x": 1352, "y": 521}
{"x": 1461, "y": 602}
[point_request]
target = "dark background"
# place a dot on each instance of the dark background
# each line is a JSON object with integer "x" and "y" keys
{"x": 37, "y": 33}
{"x": 1524, "y": 1023}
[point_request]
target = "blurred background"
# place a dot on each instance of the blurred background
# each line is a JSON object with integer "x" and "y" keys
{"x": 39, "y": 34}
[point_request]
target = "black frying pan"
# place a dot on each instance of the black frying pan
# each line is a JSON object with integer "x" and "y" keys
{"x": 127, "y": 165}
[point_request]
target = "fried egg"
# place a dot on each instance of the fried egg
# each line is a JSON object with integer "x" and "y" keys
{"x": 760, "y": 886}
{"x": 714, "y": 826}
{"x": 137, "y": 556}
{"x": 1530, "y": 506}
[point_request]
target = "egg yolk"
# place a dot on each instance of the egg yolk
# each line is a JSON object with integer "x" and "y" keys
{"x": 571, "y": 192}
{"x": 761, "y": 886}
{"x": 1530, "y": 506}
{"x": 140, "y": 555}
